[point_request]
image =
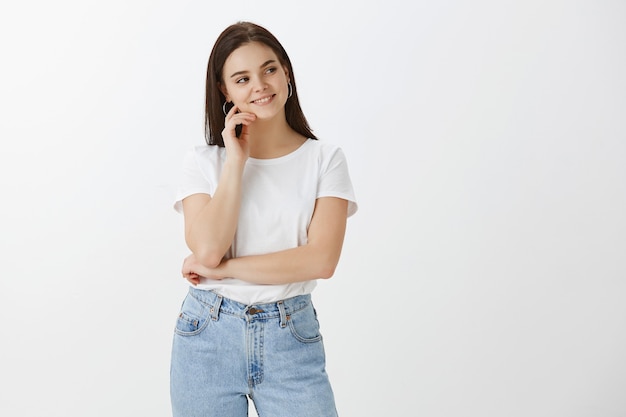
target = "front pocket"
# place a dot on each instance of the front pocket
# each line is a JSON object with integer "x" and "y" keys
{"x": 194, "y": 316}
{"x": 304, "y": 325}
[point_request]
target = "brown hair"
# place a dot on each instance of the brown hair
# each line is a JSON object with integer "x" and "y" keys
{"x": 230, "y": 39}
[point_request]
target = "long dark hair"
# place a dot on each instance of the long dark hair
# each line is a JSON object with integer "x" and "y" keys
{"x": 230, "y": 39}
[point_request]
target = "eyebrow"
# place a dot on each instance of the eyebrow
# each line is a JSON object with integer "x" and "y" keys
{"x": 266, "y": 63}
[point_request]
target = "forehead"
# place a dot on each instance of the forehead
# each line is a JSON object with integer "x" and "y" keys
{"x": 248, "y": 57}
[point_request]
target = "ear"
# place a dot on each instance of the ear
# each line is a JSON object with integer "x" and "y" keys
{"x": 286, "y": 72}
{"x": 224, "y": 91}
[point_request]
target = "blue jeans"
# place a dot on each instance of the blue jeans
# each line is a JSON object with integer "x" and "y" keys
{"x": 225, "y": 352}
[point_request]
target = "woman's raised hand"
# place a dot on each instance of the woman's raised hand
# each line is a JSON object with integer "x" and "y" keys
{"x": 237, "y": 148}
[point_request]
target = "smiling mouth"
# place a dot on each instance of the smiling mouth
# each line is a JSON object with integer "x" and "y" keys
{"x": 263, "y": 100}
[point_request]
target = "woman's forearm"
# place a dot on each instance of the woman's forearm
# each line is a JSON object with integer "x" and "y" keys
{"x": 303, "y": 263}
{"x": 318, "y": 258}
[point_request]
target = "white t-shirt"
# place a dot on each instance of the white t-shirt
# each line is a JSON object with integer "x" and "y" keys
{"x": 277, "y": 204}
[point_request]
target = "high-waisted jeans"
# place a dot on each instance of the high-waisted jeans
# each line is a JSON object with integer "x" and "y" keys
{"x": 225, "y": 352}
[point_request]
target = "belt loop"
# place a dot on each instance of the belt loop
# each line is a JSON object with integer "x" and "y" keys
{"x": 283, "y": 314}
{"x": 215, "y": 309}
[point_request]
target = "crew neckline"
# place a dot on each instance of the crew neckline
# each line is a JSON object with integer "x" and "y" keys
{"x": 270, "y": 161}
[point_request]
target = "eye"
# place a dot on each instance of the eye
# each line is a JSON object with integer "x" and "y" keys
{"x": 242, "y": 80}
{"x": 270, "y": 70}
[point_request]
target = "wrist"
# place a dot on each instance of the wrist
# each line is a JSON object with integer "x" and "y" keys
{"x": 225, "y": 268}
{"x": 235, "y": 164}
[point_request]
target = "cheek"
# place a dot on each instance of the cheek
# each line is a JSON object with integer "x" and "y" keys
{"x": 239, "y": 99}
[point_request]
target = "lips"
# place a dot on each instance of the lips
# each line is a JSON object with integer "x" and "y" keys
{"x": 263, "y": 100}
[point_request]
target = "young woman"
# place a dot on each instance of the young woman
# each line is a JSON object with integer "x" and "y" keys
{"x": 265, "y": 207}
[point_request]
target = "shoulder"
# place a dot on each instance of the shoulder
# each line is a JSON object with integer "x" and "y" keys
{"x": 207, "y": 152}
{"x": 322, "y": 145}
{"x": 323, "y": 149}
{"x": 204, "y": 155}
{"x": 206, "y": 160}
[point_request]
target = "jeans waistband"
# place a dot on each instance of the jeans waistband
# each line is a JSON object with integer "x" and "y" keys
{"x": 222, "y": 305}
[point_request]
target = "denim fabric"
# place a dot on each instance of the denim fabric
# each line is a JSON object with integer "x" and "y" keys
{"x": 225, "y": 352}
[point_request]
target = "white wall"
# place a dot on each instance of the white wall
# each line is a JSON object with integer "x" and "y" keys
{"x": 484, "y": 274}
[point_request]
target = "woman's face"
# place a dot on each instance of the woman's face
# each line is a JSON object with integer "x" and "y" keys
{"x": 255, "y": 81}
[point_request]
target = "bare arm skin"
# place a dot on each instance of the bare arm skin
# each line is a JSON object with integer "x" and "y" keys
{"x": 318, "y": 258}
{"x": 211, "y": 222}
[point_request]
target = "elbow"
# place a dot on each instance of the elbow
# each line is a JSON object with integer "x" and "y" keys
{"x": 209, "y": 258}
{"x": 207, "y": 253}
{"x": 327, "y": 270}
{"x": 325, "y": 263}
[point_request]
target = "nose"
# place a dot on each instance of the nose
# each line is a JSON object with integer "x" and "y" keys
{"x": 259, "y": 84}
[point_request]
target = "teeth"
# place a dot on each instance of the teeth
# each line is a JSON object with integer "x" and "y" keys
{"x": 263, "y": 100}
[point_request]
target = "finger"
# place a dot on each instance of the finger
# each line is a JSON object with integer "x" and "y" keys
{"x": 244, "y": 132}
{"x": 233, "y": 110}
{"x": 241, "y": 118}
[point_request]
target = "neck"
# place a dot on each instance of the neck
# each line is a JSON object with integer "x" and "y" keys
{"x": 272, "y": 138}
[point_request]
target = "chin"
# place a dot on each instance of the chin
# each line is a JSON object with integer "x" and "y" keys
{"x": 265, "y": 115}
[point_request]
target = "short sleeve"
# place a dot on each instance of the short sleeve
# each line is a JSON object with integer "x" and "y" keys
{"x": 335, "y": 180}
{"x": 192, "y": 180}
